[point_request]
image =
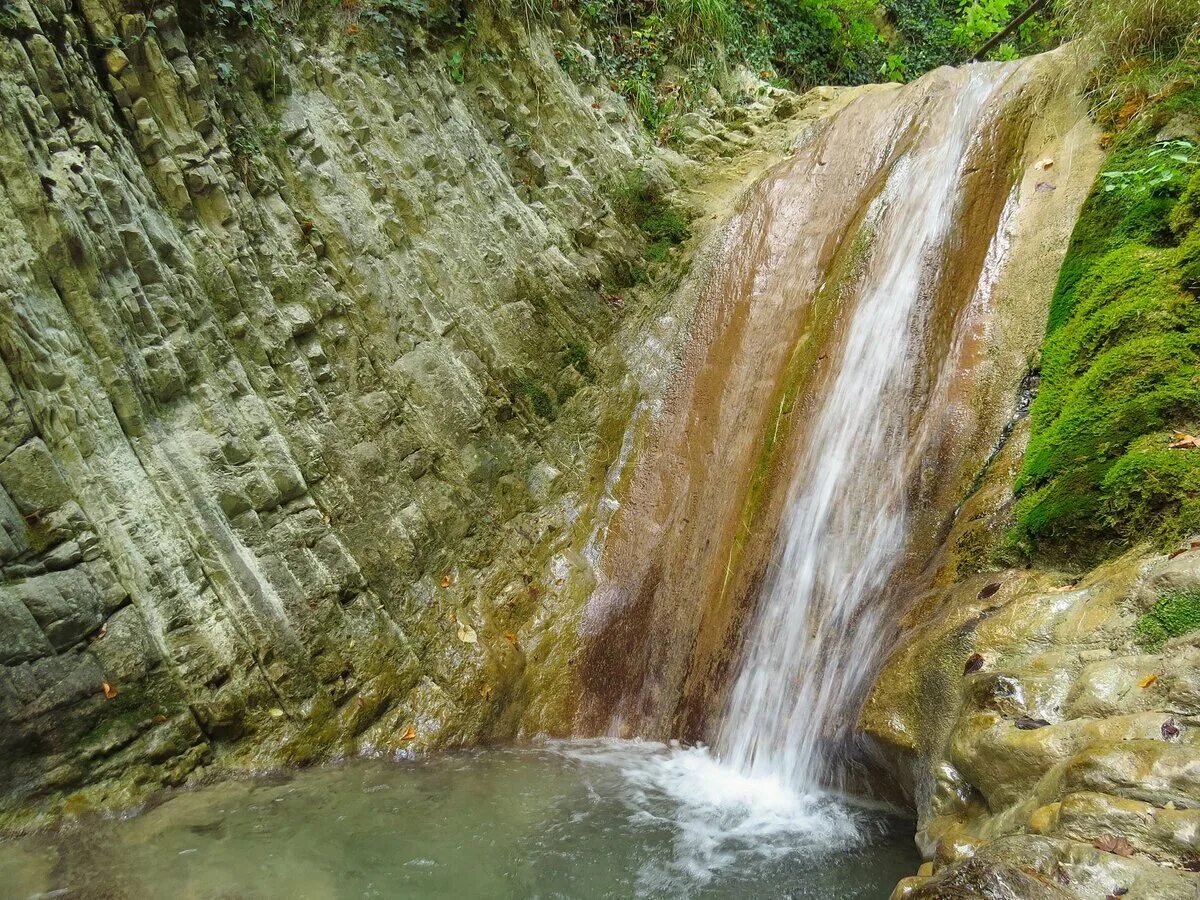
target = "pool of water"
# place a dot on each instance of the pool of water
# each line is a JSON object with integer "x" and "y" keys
{"x": 564, "y": 820}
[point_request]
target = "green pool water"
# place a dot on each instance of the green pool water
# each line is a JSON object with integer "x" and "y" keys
{"x": 567, "y": 820}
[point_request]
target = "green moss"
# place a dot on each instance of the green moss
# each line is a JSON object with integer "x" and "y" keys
{"x": 639, "y": 201}
{"x": 1174, "y": 614}
{"x": 578, "y": 356}
{"x": 535, "y": 394}
{"x": 1120, "y": 365}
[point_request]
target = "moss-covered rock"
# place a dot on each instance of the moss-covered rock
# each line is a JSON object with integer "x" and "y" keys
{"x": 1121, "y": 361}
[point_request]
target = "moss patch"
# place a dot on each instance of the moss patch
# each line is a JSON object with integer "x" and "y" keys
{"x": 1121, "y": 362}
{"x": 641, "y": 202}
{"x": 1173, "y": 615}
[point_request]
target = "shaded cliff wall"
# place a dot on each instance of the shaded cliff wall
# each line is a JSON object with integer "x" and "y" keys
{"x": 305, "y": 389}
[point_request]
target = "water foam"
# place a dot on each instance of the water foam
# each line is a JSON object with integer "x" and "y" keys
{"x": 720, "y": 818}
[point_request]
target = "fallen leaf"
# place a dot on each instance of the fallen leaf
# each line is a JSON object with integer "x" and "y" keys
{"x": 109, "y": 691}
{"x": 1192, "y": 865}
{"x": 1119, "y": 892}
{"x": 1045, "y": 164}
{"x": 409, "y": 734}
{"x": 1177, "y": 552}
{"x": 510, "y": 637}
{"x": 974, "y": 664}
{"x": 1183, "y": 441}
{"x": 275, "y": 712}
{"x": 1170, "y": 730}
{"x": 1043, "y": 186}
{"x": 1027, "y": 724}
{"x": 467, "y": 634}
{"x": 160, "y": 719}
{"x": 989, "y": 590}
{"x": 1170, "y": 804}
{"x": 1113, "y": 844}
{"x": 1148, "y": 680}
{"x": 445, "y": 581}
{"x": 101, "y": 633}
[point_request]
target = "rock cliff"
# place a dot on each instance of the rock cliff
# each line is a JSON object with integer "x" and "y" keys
{"x": 314, "y": 361}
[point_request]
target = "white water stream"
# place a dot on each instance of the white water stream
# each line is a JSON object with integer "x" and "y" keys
{"x": 820, "y": 628}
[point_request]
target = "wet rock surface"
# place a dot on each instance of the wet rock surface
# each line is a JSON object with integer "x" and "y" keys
{"x": 1103, "y": 799}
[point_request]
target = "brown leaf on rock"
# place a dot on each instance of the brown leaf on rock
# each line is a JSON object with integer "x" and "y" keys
{"x": 110, "y": 692}
{"x": 989, "y": 590}
{"x": 1113, "y": 844}
{"x": 1148, "y": 680}
{"x": 445, "y": 581}
{"x": 1184, "y": 441}
{"x": 409, "y": 734}
{"x": 974, "y": 664}
{"x": 1170, "y": 730}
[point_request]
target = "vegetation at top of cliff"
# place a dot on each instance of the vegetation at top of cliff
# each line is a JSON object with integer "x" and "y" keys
{"x": 1141, "y": 48}
{"x": 665, "y": 56}
{"x": 1121, "y": 359}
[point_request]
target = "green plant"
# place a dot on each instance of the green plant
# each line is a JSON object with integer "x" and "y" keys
{"x": 1174, "y": 614}
{"x": 697, "y": 25}
{"x": 640, "y": 201}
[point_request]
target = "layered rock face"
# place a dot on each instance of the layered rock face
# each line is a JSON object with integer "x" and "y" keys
{"x": 304, "y": 390}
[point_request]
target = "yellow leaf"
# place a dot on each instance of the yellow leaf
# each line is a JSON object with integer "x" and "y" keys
{"x": 467, "y": 634}
{"x": 109, "y": 691}
{"x": 1148, "y": 680}
{"x": 275, "y": 712}
{"x": 445, "y": 581}
{"x": 409, "y": 734}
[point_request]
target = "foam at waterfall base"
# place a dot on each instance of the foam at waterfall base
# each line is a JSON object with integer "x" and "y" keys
{"x": 721, "y": 818}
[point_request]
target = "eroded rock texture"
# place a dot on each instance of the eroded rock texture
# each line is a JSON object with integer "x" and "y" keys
{"x": 1051, "y": 748}
{"x": 303, "y": 385}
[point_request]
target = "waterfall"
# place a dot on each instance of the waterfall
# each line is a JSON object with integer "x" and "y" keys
{"x": 821, "y": 623}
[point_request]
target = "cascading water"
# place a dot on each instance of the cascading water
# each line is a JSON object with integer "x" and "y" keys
{"x": 856, "y": 354}
{"x": 820, "y": 628}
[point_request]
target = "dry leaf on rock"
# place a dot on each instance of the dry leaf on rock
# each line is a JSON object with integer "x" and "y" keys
{"x": 989, "y": 590}
{"x": 467, "y": 634}
{"x": 1148, "y": 680}
{"x": 109, "y": 691}
{"x": 1112, "y": 844}
{"x": 1183, "y": 441}
{"x": 1170, "y": 730}
{"x": 409, "y": 734}
{"x": 974, "y": 664}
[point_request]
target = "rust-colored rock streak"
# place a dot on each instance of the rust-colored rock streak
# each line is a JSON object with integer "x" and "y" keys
{"x": 761, "y": 397}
